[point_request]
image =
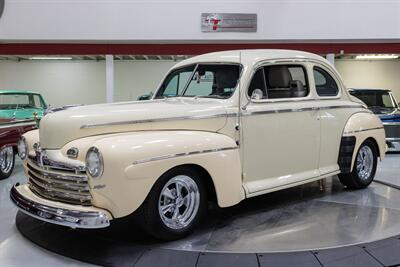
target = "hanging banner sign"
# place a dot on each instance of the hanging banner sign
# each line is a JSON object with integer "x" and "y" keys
{"x": 228, "y": 22}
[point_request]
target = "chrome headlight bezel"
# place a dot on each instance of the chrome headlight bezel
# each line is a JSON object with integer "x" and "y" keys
{"x": 94, "y": 162}
{"x": 22, "y": 148}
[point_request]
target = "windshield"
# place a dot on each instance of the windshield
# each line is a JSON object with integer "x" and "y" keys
{"x": 20, "y": 101}
{"x": 201, "y": 80}
{"x": 375, "y": 99}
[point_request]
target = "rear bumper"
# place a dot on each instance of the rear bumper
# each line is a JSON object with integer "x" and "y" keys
{"x": 57, "y": 213}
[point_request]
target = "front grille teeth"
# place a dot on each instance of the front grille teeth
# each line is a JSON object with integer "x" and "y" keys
{"x": 67, "y": 186}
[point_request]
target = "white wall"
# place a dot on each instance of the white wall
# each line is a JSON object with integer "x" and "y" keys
{"x": 82, "y": 82}
{"x": 135, "y": 78}
{"x": 383, "y": 74}
{"x": 72, "y": 82}
{"x": 179, "y": 20}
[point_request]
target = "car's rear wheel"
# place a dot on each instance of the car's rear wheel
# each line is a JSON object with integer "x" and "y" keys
{"x": 175, "y": 205}
{"x": 7, "y": 161}
{"x": 364, "y": 167}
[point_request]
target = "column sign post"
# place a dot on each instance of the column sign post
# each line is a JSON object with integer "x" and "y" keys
{"x": 228, "y": 22}
{"x": 2, "y": 2}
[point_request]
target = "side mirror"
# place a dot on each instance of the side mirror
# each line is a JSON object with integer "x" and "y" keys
{"x": 257, "y": 94}
{"x": 145, "y": 97}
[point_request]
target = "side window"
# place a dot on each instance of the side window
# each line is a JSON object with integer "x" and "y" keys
{"x": 286, "y": 81}
{"x": 37, "y": 103}
{"x": 257, "y": 88}
{"x": 324, "y": 83}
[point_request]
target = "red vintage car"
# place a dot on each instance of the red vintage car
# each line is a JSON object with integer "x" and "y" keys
{"x": 10, "y": 132}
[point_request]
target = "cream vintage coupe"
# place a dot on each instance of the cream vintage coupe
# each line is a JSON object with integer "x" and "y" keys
{"x": 221, "y": 127}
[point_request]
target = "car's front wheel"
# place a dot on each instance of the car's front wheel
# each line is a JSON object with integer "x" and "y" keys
{"x": 364, "y": 167}
{"x": 175, "y": 205}
{"x": 7, "y": 161}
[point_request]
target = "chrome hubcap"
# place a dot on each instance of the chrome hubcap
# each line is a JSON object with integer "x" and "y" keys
{"x": 179, "y": 202}
{"x": 6, "y": 159}
{"x": 365, "y": 162}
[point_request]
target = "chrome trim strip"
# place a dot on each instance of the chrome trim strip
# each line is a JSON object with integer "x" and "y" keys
{"x": 54, "y": 215}
{"x": 393, "y": 139}
{"x": 16, "y": 124}
{"x": 199, "y": 117}
{"x": 391, "y": 123}
{"x": 56, "y": 175}
{"x": 136, "y": 162}
{"x": 363, "y": 130}
{"x": 51, "y": 164}
{"x": 262, "y": 112}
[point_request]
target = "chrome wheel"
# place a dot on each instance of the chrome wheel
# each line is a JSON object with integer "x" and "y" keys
{"x": 179, "y": 202}
{"x": 6, "y": 159}
{"x": 365, "y": 162}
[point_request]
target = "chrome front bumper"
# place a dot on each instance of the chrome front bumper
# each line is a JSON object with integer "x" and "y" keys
{"x": 73, "y": 218}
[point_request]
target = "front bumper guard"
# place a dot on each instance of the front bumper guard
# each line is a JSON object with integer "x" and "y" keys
{"x": 60, "y": 216}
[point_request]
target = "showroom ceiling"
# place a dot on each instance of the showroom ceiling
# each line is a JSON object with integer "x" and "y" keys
{"x": 170, "y": 57}
{"x": 95, "y": 57}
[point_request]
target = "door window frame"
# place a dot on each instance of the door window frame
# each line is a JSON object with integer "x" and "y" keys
{"x": 334, "y": 77}
{"x": 302, "y": 63}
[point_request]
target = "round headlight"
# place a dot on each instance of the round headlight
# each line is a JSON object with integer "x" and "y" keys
{"x": 94, "y": 162}
{"x": 22, "y": 148}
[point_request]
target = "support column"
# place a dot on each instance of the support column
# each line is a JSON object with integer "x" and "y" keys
{"x": 331, "y": 58}
{"x": 110, "y": 78}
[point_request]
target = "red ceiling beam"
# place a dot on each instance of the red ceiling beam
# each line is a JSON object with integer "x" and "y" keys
{"x": 188, "y": 49}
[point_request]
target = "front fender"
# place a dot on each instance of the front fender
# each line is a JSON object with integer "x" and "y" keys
{"x": 364, "y": 125}
{"x": 134, "y": 161}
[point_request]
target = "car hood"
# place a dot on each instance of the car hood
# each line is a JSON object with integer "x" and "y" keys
{"x": 57, "y": 129}
{"x": 20, "y": 113}
{"x": 388, "y": 115}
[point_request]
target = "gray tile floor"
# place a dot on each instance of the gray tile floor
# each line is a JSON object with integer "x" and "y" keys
{"x": 379, "y": 203}
{"x": 15, "y": 250}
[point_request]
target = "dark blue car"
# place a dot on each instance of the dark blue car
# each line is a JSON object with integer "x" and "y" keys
{"x": 383, "y": 104}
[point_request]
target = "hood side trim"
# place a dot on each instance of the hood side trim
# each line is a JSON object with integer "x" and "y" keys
{"x": 199, "y": 117}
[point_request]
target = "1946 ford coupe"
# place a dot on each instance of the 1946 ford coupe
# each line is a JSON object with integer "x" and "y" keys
{"x": 221, "y": 127}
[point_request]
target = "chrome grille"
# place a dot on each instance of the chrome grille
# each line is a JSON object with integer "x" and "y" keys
{"x": 59, "y": 184}
{"x": 392, "y": 131}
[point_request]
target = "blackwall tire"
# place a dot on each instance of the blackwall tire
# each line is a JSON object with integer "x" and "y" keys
{"x": 364, "y": 168}
{"x": 175, "y": 205}
{"x": 7, "y": 162}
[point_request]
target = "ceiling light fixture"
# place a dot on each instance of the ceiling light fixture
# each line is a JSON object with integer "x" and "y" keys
{"x": 50, "y": 58}
{"x": 377, "y": 57}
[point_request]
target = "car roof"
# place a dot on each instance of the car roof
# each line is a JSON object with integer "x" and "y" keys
{"x": 17, "y": 92}
{"x": 250, "y": 55}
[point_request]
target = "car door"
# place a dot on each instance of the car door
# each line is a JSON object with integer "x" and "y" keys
{"x": 334, "y": 112}
{"x": 280, "y": 129}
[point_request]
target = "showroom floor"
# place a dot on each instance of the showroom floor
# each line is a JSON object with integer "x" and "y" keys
{"x": 292, "y": 216}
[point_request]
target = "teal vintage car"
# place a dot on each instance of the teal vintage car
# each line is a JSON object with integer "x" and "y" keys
{"x": 21, "y": 104}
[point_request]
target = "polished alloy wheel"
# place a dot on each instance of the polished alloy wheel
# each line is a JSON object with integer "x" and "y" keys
{"x": 365, "y": 162}
{"x": 179, "y": 202}
{"x": 6, "y": 159}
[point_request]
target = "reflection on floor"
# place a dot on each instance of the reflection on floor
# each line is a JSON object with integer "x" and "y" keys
{"x": 298, "y": 218}
{"x": 389, "y": 171}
